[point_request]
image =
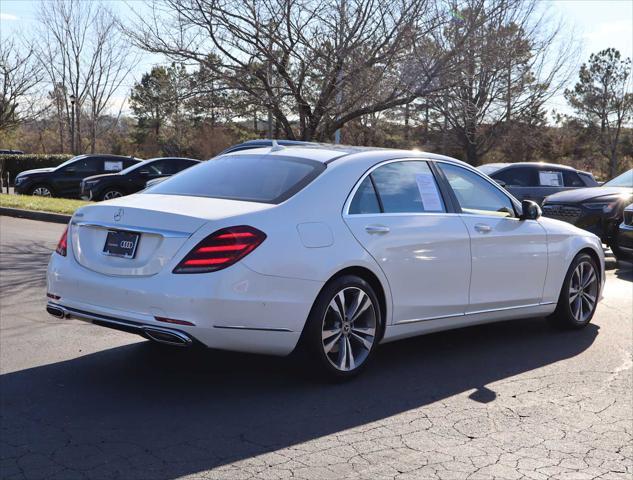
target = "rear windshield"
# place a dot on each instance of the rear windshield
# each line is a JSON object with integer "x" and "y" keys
{"x": 251, "y": 178}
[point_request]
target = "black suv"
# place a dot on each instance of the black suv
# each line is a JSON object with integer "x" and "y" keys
{"x": 598, "y": 210}
{"x": 535, "y": 181}
{"x": 132, "y": 179}
{"x": 65, "y": 179}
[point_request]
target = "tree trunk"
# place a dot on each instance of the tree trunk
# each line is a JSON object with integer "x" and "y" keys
{"x": 472, "y": 157}
{"x": 613, "y": 164}
{"x": 406, "y": 124}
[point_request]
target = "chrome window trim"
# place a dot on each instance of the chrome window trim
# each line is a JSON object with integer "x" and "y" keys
{"x": 350, "y": 197}
{"x": 469, "y": 168}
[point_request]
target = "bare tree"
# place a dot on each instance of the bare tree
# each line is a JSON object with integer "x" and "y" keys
{"x": 21, "y": 74}
{"x": 85, "y": 56}
{"x": 513, "y": 61}
{"x": 313, "y": 64}
{"x": 603, "y": 98}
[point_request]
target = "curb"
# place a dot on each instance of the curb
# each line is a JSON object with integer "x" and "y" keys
{"x": 35, "y": 215}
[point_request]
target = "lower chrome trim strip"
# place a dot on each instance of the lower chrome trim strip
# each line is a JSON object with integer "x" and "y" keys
{"x": 258, "y": 329}
{"x": 406, "y": 322}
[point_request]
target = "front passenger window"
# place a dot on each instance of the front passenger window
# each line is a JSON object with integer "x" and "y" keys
{"x": 476, "y": 195}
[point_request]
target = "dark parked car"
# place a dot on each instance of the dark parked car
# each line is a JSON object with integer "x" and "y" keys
{"x": 535, "y": 181}
{"x": 598, "y": 210}
{"x": 132, "y": 179}
{"x": 4, "y": 151}
{"x": 65, "y": 179}
{"x": 624, "y": 241}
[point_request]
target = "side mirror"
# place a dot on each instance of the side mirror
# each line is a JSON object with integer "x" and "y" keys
{"x": 500, "y": 182}
{"x": 530, "y": 210}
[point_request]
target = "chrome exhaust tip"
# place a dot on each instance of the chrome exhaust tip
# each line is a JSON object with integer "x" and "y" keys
{"x": 168, "y": 337}
{"x": 56, "y": 311}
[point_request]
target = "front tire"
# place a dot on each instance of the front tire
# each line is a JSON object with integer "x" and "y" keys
{"x": 618, "y": 253}
{"x": 343, "y": 328}
{"x": 41, "y": 190}
{"x": 579, "y": 295}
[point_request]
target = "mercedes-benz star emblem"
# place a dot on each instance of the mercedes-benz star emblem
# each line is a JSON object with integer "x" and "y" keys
{"x": 118, "y": 215}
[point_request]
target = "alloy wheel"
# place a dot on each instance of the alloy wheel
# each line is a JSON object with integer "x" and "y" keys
{"x": 110, "y": 194}
{"x": 349, "y": 329}
{"x": 583, "y": 291}
{"x": 42, "y": 192}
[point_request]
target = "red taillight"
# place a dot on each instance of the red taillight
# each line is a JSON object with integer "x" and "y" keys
{"x": 221, "y": 249}
{"x": 62, "y": 245}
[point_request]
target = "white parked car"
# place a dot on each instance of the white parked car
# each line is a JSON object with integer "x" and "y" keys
{"x": 329, "y": 249}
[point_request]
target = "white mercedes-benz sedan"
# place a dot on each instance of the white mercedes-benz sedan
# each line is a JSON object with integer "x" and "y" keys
{"x": 323, "y": 250}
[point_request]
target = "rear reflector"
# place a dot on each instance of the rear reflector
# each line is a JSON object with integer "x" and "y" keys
{"x": 221, "y": 249}
{"x": 62, "y": 245}
{"x": 176, "y": 322}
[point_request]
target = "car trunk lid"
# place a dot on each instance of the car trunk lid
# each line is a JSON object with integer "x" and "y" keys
{"x": 156, "y": 227}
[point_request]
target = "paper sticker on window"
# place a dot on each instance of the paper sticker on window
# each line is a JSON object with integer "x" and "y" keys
{"x": 550, "y": 179}
{"x": 431, "y": 200}
{"x": 110, "y": 166}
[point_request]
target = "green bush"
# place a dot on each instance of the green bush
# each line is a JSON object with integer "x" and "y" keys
{"x": 15, "y": 164}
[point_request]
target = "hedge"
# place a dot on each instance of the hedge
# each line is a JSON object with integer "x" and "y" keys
{"x": 15, "y": 164}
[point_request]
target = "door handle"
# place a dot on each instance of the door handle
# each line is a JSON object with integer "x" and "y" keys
{"x": 376, "y": 229}
{"x": 483, "y": 228}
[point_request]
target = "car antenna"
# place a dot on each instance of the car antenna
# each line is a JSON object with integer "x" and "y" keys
{"x": 276, "y": 147}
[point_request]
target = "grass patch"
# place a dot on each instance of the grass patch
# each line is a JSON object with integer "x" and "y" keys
{"x": 42, "y": 204}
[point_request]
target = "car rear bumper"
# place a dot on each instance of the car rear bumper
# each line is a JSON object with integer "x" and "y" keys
{"x": 234, "y": 309}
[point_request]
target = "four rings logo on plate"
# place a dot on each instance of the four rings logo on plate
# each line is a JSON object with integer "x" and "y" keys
{"x": 126, "y": 244}
{"x": 118, "y": 215}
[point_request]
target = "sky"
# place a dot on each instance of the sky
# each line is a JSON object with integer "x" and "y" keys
{"x": 597, "y": 24}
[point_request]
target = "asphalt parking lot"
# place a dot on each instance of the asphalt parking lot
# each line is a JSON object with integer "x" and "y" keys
{"x": 505, "y": 401}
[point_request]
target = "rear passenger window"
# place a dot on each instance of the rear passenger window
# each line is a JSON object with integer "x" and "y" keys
{"x": 407, "y": 186}
{"x": 517, "y": 177}
{"x": 550, "y": 178}
{"x": 365, "y": 200}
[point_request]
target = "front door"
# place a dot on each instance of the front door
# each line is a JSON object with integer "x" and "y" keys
{"x": 69, "y": 181}
{"x": 509, "y": 255}
{"x": 400, "y": 217}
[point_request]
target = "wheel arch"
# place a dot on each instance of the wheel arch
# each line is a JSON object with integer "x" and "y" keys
{"x": 43, "y": 183}
{"x": 593, "y": 254}
{"x": 375, "y": 283}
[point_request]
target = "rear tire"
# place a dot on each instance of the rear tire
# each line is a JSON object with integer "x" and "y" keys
{"x": 578, "y": 298}
{"x": 342, "y": 330}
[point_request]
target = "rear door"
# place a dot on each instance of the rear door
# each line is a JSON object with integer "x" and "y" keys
{"x": 509, "y": 255}
{"x": 401, "y": 218}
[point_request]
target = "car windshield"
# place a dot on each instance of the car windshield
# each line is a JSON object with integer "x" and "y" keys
{"x": 624, "y": 180}
{"x": 134, "y": 167}
{"x": 67, "y": 162}
{"x": 490, "y": 168}
{"x": 252, "y": 178}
